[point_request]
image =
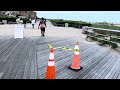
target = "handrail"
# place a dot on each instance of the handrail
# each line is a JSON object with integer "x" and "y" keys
{"x": 110, "y": 30}
{"x": 102, "y": 29}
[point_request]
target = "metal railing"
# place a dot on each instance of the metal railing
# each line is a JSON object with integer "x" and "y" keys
{"x": 91, "y": 31}
{"x": 102, "y": 29}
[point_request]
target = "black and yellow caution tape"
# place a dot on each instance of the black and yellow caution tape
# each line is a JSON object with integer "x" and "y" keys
{"x": 50, "y": 46}
{"x": 66, "y": 48}
{"x": 60, "y": 48}
{"x": 76, "y": 50}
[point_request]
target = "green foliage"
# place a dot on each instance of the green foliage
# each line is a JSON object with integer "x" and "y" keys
{"x": 106, "y": 26}
{"x": 115, "y": 39}
{"x": 103, "y": 41}
{"x": 93, "y": 38}
{"x": 113, "y": 45}
{"x": 99, "y": 35}
{"x": 75, "y": 24}
{"x": 13, "y": 19}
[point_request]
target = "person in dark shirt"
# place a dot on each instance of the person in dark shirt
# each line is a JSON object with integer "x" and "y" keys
{"x": 42, "y": 26}
{"x": 24, "y": 22}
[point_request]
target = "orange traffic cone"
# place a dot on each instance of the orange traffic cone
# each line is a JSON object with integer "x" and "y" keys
{"x": 50, "y": 74}
{"x": 76, "y": 59}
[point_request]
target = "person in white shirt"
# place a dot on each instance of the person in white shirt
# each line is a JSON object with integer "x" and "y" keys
{"x": 18, "y": 20}
{"x": 33, "y": 23}
{"x": 21, "y": 21}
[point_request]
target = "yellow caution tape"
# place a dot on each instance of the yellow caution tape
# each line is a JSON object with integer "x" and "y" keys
{"x": 76, "y": 50}
{"x": 62, "y": 48}
{"x": 66, "y": 48}
{"x": 50, "y": 46}
{"x": 57, "y": 48}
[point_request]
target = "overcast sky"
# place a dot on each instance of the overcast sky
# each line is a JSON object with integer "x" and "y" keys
{"x": 89, "y": 16}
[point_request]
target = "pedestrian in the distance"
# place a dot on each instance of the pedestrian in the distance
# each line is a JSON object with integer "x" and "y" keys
{"x": 21, "y": 21}
{"x": 24, "y": 22}
{"x": 42, "y": 26}
{"x": 18, "y": 20}
{"x": 33, "y": 23}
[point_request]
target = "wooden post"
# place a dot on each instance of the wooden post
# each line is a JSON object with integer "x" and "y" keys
{"x": 110, "y": 38}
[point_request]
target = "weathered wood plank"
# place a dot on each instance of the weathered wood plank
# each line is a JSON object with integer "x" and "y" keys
{"x": 82, "y": 62}
{"x": 55, "y": 44}
{"x": 34, "y": 73}
{"x": 99, "y": 58}
{"x": 112, "y": 63}
{"x": 1, "y": 73}
{"x": 7, "y": 49}
{"x": 24, "y": 57}
{"x": 114, "y": 67}
{"x": 31, "y": 67}
{"x": 27, "y": 59}
{"x": 45, "y": 40}
{"x": 11, "y": 60}
{"x": 93, "y": 72}
{"x": 58, "y": 65}
{"x": 118, "y": 71}
{"x": 90, "y": 63}
{"x": 105, "y": 69}
{"x": 58, "y": 55}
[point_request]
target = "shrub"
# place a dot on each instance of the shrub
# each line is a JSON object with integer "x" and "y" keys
{"x": 115, "y": 39}
{"x": 93, "y": 38}
{"x": 76, "y": 24}
{"x": 113, "y": 45}
{"x": 9, "y": 19}
{"x": 101, "y": 41}
{"x": 107, "y": 42}
{"x": 105, "y": 26}
{"x": 100, "y": 35}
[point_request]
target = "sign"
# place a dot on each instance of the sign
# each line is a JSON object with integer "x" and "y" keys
{"x": 19, "y": 30}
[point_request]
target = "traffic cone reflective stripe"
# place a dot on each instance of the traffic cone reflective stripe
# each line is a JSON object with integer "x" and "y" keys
{"x": 50, "y": 73}
{"x": 51, "y": 56}
{"x": 76, "y": 53}
{"x": 51, "y": 63}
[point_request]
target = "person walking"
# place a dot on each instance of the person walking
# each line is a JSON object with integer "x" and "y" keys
{"x": 21, "y": 21}
{"x": 24, "y": 22}
{"x": 18, "y": 20}
{"x": 33, "y": 23}
{"x": 42, "y": 26}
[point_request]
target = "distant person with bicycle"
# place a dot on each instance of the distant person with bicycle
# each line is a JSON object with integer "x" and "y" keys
{"x": 42, "y": 26}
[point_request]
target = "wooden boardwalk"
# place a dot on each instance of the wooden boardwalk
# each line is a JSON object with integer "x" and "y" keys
{"x": 27, "y": 59}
